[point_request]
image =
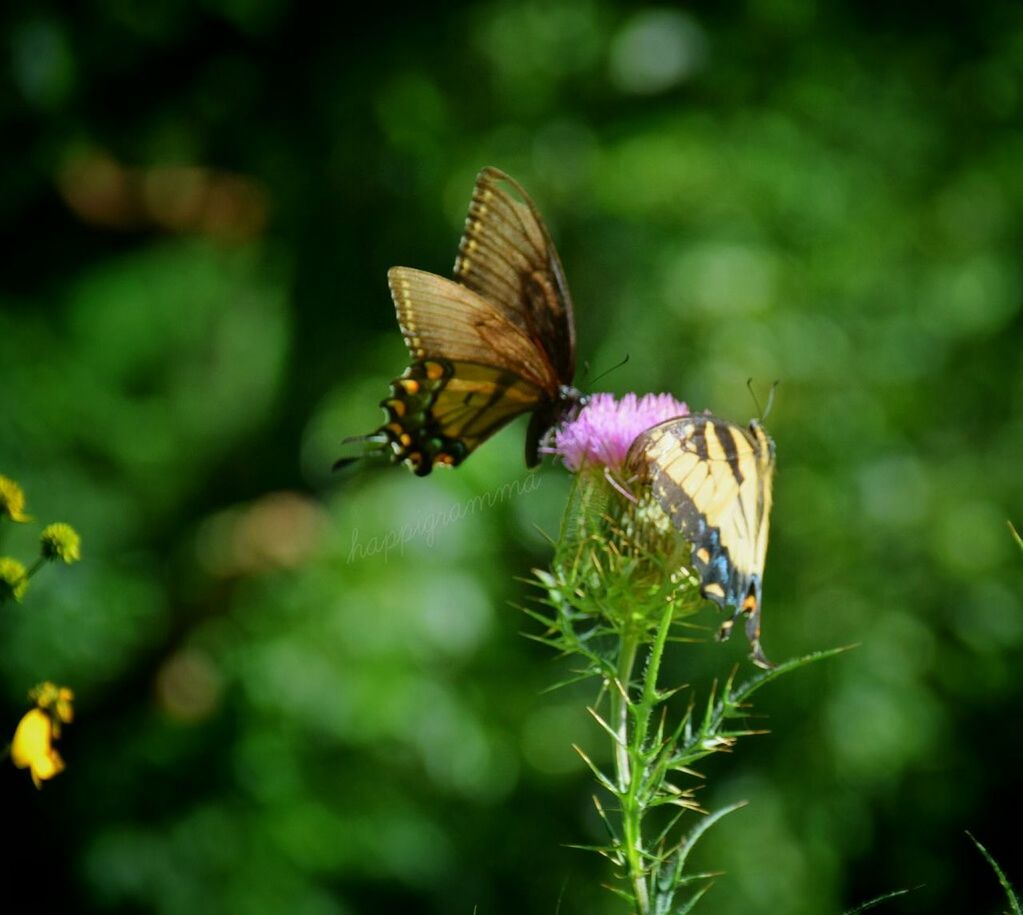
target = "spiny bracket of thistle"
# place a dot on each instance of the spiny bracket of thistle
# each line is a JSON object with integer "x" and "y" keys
{"x": 618, "y": 564}
{"x": 58, "y": 542}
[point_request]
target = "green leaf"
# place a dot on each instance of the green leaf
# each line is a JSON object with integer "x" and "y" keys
{"x": 879, "y": 899}
{"x": 688, "y": 906}
{"x": 1015, "y": 535}
{"x": 597, "y": 774}
{"x": 699, "y": 829}
{"x": 1010, "y": 893}
{"x": 756, "y": 682}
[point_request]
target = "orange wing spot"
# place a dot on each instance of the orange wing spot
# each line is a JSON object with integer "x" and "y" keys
{"x": 444, "y": 458}
{"x": 397, "y": 407}
{"x": 714, "y": 590}
{"x": 703, "y": 554}
{"x": 750, "y": 604}
{"x": 414, "y": 457}
{"x": 409, "y": 385}
{"x": 434, "y": 370}
{"x": 405, "y": 439}
{"x": 395, "y": 428}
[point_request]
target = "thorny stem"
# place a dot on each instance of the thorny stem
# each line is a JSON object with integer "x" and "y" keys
{"x": 625, "y": 770}
{"x": 630, "y": 747}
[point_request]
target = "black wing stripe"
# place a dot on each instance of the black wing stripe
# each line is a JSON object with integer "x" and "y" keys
{"x": 726, "y": 435}
{"x": 698, "y": 437}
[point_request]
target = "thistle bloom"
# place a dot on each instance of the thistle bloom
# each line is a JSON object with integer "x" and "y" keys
{"x": 619, "y": 556}
{"x": 32, "y": 747}
{"x": 605, "y": 428}
{"x": 61, "y": 541}
{"x": 12, "y": 500}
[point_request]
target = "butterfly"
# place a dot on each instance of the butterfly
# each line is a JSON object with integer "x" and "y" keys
{"x": 713, "y": 479}
{"x": 495, "y": 342}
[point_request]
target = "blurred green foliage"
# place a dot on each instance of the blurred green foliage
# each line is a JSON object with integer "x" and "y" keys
{"x": 198, "y": 204}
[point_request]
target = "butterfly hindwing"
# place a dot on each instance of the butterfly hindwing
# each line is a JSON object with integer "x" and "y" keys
{"x": 440, "y": 410}
{"x": 713, "y": 479}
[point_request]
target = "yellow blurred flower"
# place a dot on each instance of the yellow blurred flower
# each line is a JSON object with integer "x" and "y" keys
{"x": 13, "y": 579}
{"x": 56, "y": 699}
{"x": 32, "y": 747}
{"x": 12, "y": 500}
{"x": 61, "y": 541}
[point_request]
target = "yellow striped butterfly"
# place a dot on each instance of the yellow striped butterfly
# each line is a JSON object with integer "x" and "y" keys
{"x": 713, "y": 479}
{"x": 496, "y": 342}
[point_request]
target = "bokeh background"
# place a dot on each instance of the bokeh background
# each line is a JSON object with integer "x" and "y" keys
{"x": 198, "y": 204}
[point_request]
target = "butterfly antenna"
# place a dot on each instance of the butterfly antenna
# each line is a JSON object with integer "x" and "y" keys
{"x": 770, "y": 399}
{"x": 753, "y": 394}
{"x": 610, "y": 370}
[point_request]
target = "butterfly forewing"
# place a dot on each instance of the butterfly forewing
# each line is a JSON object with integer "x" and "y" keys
{"x": 507, "y": 256}
{"x": 441, "y": 319}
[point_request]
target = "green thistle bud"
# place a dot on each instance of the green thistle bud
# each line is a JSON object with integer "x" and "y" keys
{"x": 13, "y": 579}
{"x": 61, "y": 541}
{"x": 12, "y": 500}
{"x": 621, "y": 559}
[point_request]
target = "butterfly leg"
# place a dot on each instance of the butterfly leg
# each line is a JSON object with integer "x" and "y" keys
{"x": 726, "y": 627}
{"x": 751, "y": 609}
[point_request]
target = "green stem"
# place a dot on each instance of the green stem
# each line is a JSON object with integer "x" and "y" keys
{"x": 36, "y": 566}
{"x": 626, "y": 774}
{"x": 630, "y": 748}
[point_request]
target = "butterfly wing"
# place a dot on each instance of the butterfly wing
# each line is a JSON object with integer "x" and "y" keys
{"x": 506, "y": 255}
{"x": 441, "y": 319}
{"x": 440, "y": 410}
{"x": 473, "y": 370}
{"x": 713, "y": 479}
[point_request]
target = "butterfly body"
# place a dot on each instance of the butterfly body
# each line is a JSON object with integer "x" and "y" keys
{"x": 496, "y": 342}
{"x": 713, "y": 479}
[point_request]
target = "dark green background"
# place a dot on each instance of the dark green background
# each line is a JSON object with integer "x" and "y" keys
{"x": 829, "y": 196}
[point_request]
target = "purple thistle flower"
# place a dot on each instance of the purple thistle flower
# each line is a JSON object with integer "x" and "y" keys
{"x": 605, "y": 428}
